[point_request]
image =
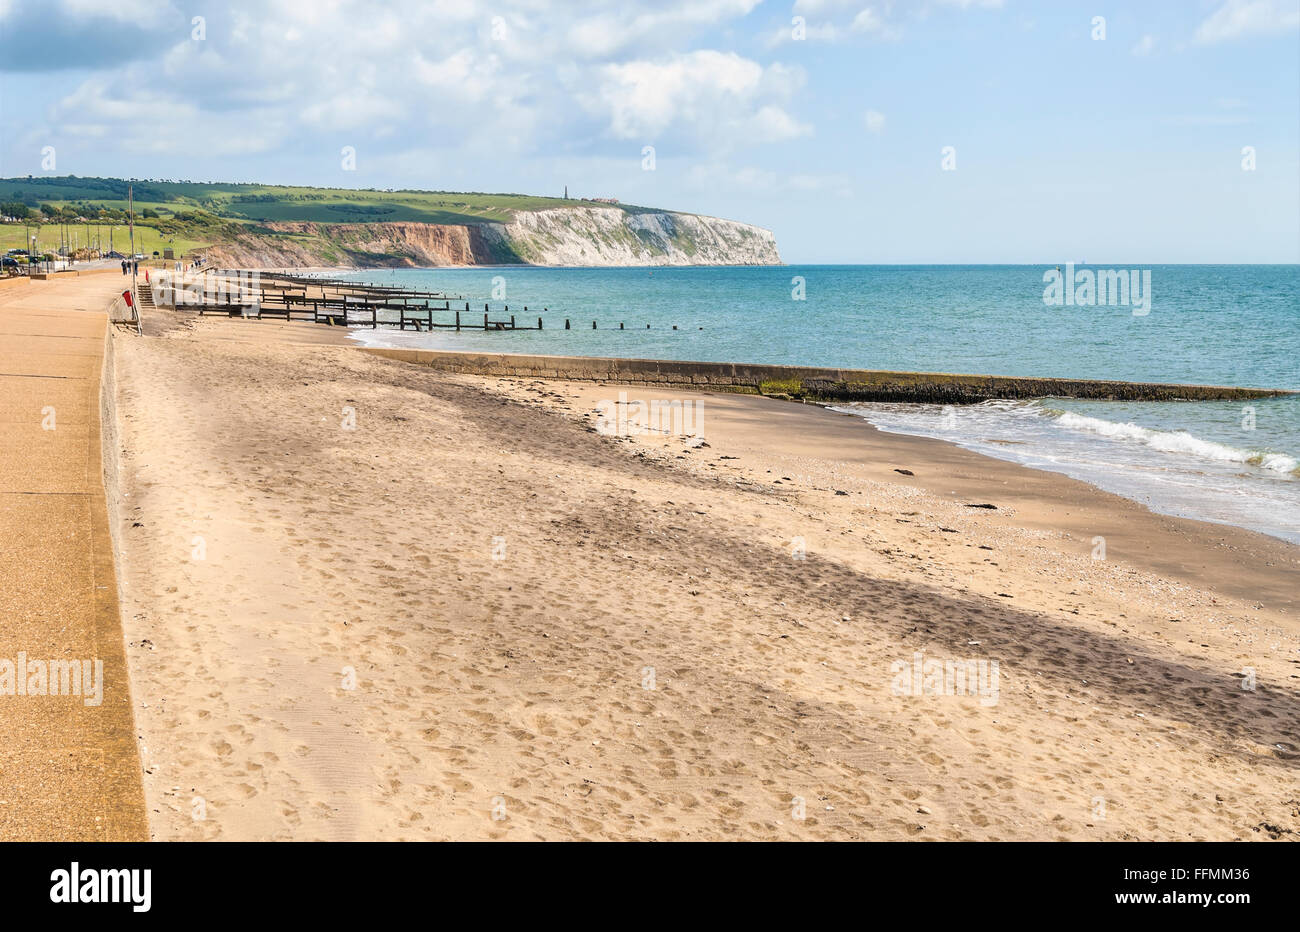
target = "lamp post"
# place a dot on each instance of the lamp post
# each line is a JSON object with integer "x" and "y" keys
{"x": 135, "y": 293}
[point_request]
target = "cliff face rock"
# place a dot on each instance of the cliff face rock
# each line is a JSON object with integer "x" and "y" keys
{"x": 363, "y": 245}
{"x": 609, "y": 236}
{"x": 583, "y": 236}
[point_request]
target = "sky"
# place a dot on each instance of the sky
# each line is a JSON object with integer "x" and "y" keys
{"x": 912, "y": 131}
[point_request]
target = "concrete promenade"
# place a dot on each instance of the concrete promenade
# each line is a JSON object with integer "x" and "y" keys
{"x": 69, "y": 766}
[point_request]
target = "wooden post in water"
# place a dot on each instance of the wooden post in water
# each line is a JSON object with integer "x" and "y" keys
{"x": 620, "y": 325}
{"x": 512, "y": 321}
{"x": 593, "y": 325}
{"x": 539, "y": 323}
{"x": 566, "y": 323}
{"x": 485, "y": 326}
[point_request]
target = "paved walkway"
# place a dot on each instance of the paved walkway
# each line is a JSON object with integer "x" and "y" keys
{"x": 68, "y": 770}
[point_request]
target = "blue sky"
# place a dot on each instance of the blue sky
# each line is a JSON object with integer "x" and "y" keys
{"x": 1126, "y": 149}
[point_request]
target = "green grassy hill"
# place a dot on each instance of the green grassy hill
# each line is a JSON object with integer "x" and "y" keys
{"x": 263, "y": 202}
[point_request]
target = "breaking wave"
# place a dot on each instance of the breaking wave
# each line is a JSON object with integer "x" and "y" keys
{"x": 1176, "y": 442}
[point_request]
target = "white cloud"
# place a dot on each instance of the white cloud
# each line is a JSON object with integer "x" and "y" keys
{"x": 152, "y": 123}
{"x": 1144, "y": 46}
{"x": 706, "y": 93}
{"x": 1240, "y": 19}
{"x": 869, "y": 22}
{"x": 648, "y": 27}
{"x": 353, "y": 109}
{"x": 837, "y": 20}
{"x": 469, "y": 75}
{"x": 875, "y": 121}
{"x": 772, "y": 124}
{"x": 413, "y": 78}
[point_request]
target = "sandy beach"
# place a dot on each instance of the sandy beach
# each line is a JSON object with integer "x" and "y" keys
{"x": 366, "y": 600}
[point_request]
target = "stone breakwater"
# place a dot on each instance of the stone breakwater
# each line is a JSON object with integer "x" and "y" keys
{"x": 812, "y": 383}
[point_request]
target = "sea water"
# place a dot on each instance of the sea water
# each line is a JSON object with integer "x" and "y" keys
{"x": 1230, "y": 462}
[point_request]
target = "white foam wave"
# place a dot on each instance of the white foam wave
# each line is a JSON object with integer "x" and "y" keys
{"x": 1177, "y": 442}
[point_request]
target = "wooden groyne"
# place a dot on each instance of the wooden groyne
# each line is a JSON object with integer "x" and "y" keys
{"x": 332, "y": 301}
{"x": 257, "y": 295}
{"x": 812, "y": 383}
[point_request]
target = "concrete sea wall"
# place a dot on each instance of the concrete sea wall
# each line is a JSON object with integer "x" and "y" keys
{"x": 811, "y": 383}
